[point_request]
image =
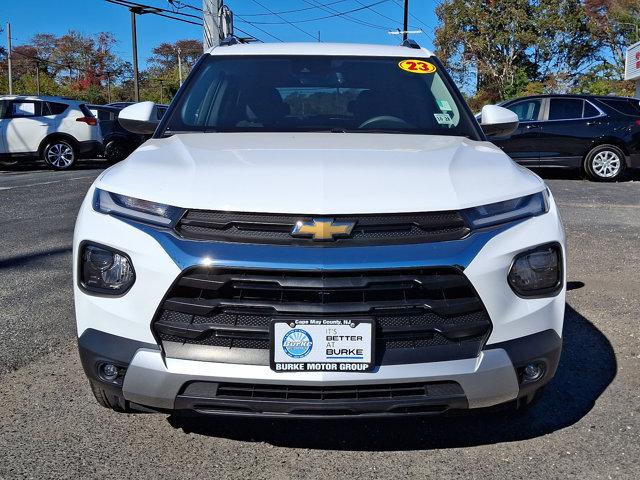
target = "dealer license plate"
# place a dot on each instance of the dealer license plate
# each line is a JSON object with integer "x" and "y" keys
{"x": 322, "y": 345}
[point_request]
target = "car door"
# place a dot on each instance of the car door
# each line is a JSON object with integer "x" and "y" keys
{"x": 28, "y": 124}
{"x": 570, "y": 127}
{"x": 522, "y": 145}
{"x": 3, "y": 125}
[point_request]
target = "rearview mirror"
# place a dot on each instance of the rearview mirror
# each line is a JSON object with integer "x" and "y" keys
{"x": 140, "y": 117}
{"x": 498, "y": 121}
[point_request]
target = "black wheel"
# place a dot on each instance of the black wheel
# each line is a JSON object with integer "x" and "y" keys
{"x": 605, "y": 163}
{"x": 60, "y": 155}
{"x": 116, "y": 150}
{"x": 108, "y": 399}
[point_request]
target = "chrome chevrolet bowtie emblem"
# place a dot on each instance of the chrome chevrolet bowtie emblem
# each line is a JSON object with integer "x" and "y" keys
{"x": 322, "y": 229}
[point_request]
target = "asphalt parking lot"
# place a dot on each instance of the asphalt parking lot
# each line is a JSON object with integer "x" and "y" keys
{"x": 587, "y": 425}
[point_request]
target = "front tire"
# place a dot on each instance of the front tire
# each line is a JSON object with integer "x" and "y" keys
{"x": 116, "y": 150}
{"x": 60, "y": 155}
{"x": 605, "y": 163}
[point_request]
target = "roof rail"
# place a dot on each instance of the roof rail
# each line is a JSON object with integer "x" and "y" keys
{"x": 410, "y": 43}
{"x": 230, "y": 40}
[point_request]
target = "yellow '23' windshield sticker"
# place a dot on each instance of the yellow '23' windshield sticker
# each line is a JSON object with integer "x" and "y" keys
{"x": 417, "y": 66}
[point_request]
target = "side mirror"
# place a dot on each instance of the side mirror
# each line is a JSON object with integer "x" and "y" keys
{"x": 498, "y": 121}
{"x": 140, "y": 118}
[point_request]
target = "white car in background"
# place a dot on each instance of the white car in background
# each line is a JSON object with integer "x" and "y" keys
{"x": 58, "y": 130}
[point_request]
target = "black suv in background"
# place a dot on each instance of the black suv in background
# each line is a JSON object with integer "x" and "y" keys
{"x": 117, "y": 142}
{"x": 600, "y": 134}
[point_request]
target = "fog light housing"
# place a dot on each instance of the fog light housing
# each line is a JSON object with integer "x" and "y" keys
{"x": 108, "y": 371}
{"x": 105, "y": 271}
{"x": 111, "y": 373}
{"x": 532, "y": 372}
{"x": 537, "y": 272}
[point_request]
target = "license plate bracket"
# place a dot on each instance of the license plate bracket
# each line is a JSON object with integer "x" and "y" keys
{"x": 326, "y": 345}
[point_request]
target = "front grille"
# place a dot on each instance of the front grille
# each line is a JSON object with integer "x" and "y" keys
{"x": 369, "y": 229}
{"x": 420, "y": 314}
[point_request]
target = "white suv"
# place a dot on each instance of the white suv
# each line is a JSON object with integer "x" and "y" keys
{"x": 58, "y": 130}
{"x": 318, "y": 230}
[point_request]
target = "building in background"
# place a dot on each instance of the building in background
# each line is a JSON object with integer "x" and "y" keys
{"x": 632, "y": 66}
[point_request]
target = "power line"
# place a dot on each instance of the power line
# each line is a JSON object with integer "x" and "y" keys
{"x": 126, "y": 3}
{"x": 334, "y": 14}
{"x": 178, "y": 19}
{"x": 394, "y": 20}
{"x": 428, "y": 27}
{"x": 250, "y": 34}
{"x": 291, "y": 11}
{"x": 345, "y": 15}
{"x": 257, "y": 27}
{"x": 130, "y": 4}
{"x": 286, "y": 21}
{"x": 180, "y": 4}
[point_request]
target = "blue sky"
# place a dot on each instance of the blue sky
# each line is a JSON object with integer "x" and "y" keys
{"x": 91, "y": 16}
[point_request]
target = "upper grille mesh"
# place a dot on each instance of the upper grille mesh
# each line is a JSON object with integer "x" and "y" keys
{"x": 370, "y": 229}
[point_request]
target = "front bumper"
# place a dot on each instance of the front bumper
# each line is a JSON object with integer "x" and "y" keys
{"x": 164, "y": 384}
{"x": 523, "y": 329}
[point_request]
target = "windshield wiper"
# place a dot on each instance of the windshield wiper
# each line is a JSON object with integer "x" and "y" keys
{"x": 168, "y": 133}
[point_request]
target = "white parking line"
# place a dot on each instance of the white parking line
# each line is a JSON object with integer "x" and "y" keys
{"x": 44, "y": 183}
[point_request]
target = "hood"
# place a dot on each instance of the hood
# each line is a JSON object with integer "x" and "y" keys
{"x": 319, "y": 173}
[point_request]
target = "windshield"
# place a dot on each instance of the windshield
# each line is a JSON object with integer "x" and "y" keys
{"x": 315, "y": 93}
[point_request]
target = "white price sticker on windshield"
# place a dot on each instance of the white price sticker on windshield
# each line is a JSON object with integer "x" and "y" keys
{"x": 443, "y": 118}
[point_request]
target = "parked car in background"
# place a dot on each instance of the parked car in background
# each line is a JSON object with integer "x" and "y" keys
{"x": 117, "y": 142}
{"x": 119, "y": 105}
{"x": 598, "y": 134}
{"x": 161, "y": 108}
{"x": 55, "y": 129}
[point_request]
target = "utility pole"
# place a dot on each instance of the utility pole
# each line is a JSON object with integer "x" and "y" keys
{"x": 406, "y": 20}
{"x": 37, "y": 77}
{"x": 108, "y": 87}
{"x": 211, "y": 22}
{"x": 179, "y": 65}
{"x": 141, "y": 10}
{"x": 137, "y": 10}
{"x": 160, "y": 81}
{"x": 134, "y": 48}
{"x": 9, "y": 58}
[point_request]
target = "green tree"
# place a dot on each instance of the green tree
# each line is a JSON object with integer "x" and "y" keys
{"x": 506, "y": 44}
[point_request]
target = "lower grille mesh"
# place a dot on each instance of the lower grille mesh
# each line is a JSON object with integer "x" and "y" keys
{"x": 299, "y": 392}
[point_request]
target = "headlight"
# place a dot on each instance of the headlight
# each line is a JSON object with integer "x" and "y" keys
{"x": 106, "y": 271}
{"x": 508, "y": 211}
{"x": 136, "y": 209}
{"x": 537, "y": 272}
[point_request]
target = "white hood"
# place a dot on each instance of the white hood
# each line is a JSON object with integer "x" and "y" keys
{"x": 319, "y": 173}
